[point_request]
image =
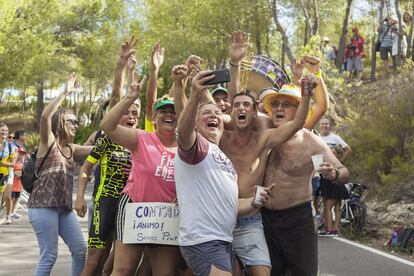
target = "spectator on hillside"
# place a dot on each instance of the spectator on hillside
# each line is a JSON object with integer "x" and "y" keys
{"x": 332, "y": 194}
{"x": 354, "y": 53}
{"x": 385, "y": 38}
{"x": 396, "y": 34}
{"x": 328, "y": 51}
{"x": 333, "y": 140}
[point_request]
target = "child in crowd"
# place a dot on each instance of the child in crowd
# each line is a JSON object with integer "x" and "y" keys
{"x": 17, "y": 183}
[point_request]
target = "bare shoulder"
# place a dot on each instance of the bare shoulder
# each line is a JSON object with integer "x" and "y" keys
{"x": 262, "y": 122}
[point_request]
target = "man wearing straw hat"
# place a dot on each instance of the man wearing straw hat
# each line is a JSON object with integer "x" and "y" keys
{"x": 287, "y": 216}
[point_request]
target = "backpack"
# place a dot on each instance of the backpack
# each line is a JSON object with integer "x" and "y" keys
{"x": 406, "y": 239}
{"x": 29, "y": 175}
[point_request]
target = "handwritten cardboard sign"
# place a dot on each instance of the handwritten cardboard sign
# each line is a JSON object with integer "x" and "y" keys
{"x": 151, "y": 222}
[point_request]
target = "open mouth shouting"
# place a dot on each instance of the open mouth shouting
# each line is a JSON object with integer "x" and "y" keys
{"x": 168, "y": 122}
{"x": 212, "y": 124}
{"x": 242, "y": 117}
{"x": 131, "y": 123}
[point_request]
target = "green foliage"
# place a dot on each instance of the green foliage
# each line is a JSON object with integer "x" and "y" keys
{"x": 32, "y": 141}
{"x": 83, "y": 133}
{"x": 382, "y": 137}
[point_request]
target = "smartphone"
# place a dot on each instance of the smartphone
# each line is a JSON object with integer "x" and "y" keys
{"x": 220, "y": 76}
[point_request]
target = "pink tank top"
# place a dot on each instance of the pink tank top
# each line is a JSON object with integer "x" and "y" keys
{"x": 152, "y": 173}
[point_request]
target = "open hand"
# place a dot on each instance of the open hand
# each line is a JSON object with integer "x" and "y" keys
{"x": 71, "y": 85}
{"x": 128, "y": 48}
{"x": 157, "y": 56}
{"x": 239, "y": 47}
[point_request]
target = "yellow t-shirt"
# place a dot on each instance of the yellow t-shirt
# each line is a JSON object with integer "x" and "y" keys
{"x": 5, "y": 156}
{"x": 149, "y": 125}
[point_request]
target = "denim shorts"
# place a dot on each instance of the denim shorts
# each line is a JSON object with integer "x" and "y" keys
{"x": 201, "y": 257}
{"x": 316, "y": 186}
{"x": 249, "y": 242}
{"x": 355, "y": 63}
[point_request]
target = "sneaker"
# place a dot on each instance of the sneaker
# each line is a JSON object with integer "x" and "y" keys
{"x": 15, "y": 216}
{"x": 334, "y": 233}
{"x": 8, "y": 220}
{"x": 326, "y": 234}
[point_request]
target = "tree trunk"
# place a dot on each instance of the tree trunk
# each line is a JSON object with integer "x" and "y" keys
{"x": 308, "y": 27}
{"x": 397, "y": 11}
{"x": 374, "y": 41}
{"x": 342, "y": 40}
{"x": 40, "y": 85}
{"x": 410, "y": 37}
{"x": 267, "y": 41}
{"x": 315, "y": 28}
{"x": 282, "y": 31}
{"x": 282, "y": 60}
{"x": 257, "y": 28}
{"x": 23, "y": 96}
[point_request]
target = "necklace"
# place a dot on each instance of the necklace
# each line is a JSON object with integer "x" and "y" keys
{"x": 61, "y": 151}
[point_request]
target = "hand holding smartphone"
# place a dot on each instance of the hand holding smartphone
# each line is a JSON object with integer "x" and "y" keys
{"x": 220, "y": 76}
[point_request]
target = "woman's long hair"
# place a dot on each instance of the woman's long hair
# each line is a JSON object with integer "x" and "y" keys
{"x": 59, "y": 127}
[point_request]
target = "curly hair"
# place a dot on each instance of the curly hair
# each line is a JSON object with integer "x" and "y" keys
{"x": 59, "y": 129}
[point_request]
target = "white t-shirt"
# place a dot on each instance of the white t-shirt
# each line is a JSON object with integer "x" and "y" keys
{"x": 332, "y": 140}
{"x": 207, "y": 193}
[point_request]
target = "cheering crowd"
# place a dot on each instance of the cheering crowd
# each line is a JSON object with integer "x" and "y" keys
{"x": 217, "y": 149}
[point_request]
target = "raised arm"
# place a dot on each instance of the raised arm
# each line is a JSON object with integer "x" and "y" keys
{"x": 179, "y": 76}
{"x": 126, "y": 51}
{"x": 46, "y": 135}
{"x": 239, "y": 47}
{"x": 321, "y": 97}
{"x": 297, "y": 69}
{"x": 157, "y": 58}
{"x": 110, "y": 123}
{"x": 187, "y": 121}
{"x": 277, "y": 136}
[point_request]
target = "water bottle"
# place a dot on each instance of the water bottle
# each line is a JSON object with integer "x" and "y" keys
{"x": 394, "y": 238}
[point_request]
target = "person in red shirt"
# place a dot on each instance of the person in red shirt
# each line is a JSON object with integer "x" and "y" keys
{"x": 17, "y": 187}
{"x": 354, "y": 53}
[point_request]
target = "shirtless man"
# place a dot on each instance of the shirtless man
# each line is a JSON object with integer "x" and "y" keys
{"x": 287, "y": 216}
{"x": 244, "y": 146}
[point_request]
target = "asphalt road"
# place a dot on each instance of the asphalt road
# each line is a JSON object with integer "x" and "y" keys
{"x": 337, "y": 256}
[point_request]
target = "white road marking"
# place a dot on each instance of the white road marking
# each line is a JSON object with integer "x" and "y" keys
{"x": 376, "y": 251}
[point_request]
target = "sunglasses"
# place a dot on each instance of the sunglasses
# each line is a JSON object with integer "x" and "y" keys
{"x": 10, "y": 137}
{"x": 73, "y": 122}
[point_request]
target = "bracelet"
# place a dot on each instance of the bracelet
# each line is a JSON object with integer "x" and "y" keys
{"x": 231, "y": 64}
{"x": 319, "y": 74}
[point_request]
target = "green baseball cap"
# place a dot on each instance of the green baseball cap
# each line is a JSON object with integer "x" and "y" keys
{"x": 219, "y": 89}
{"x": 162, "y": 102}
